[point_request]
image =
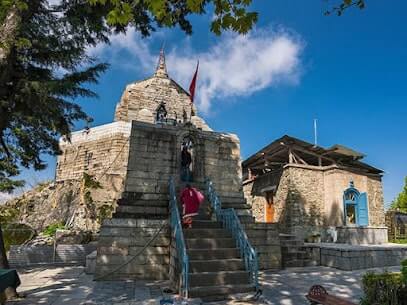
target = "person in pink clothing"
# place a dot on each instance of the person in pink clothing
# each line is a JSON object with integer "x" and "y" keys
{"x": 191, "y": 198}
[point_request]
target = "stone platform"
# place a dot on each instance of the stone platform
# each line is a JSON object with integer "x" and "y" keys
{"x": 362, "y": 235}
{"x": 354, "y": 257}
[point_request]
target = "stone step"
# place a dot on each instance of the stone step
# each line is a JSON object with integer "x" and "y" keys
{"x": 134, "y": 223}
{"x": 206, "y": 224}
{"x": 291, "y": 243}
{"x": 146, "y": 210}
{"x": 218, "y": 293}
{"x": 295, "y": 256}
{"x": 131, "y": 232}
{"x": 238, "y": 198}
{"x": 121, "y": 215}
{"x": 298, "y": 263}
{"x": 284, "y": 236}
{"x": 147, "y": 203}
{"x": 144, "y": 196}
{"x": 207, "y": 233}
{"x": 219, "y": 278}
{"x": 236, "y": 206}
{"x": 246, "y": 219}
{"x": 210, "y": 243}
{"x": 216, "y": 265}
{"x": 290, "y": 250}
{"x": 212, "y": 254}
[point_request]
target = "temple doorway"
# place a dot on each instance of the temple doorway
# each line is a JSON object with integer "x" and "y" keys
{"x": 269, "y": 208}
{"x": 187, "y": 157}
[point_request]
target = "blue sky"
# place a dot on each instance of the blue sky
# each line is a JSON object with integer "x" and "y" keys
{"x": 348, "y": 72}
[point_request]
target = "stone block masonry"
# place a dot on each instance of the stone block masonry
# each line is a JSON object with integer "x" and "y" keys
{"x": 352, "y": 257}
{"x": 121, "y": 252}
{"x": 155, "y": 155}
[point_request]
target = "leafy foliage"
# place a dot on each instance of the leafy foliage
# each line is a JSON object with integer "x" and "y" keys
{"x": 404, "y": 271}
{"x": 385, "y": 288}
{"x": 45, "y": 71}
{"x": 16, "y": 234}
{"x": 345, "y": 4}
{"x": 400, "y": 203}
{"x": 52, "y": 228}
{"x": 229, "y": 14}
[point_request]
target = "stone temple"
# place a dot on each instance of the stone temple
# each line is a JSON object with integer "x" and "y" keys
{"x": 133, "y": 158}
{"x": 287, "y": 193}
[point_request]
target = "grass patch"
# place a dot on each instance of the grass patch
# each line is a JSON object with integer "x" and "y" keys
{"x": 52, "y": 228}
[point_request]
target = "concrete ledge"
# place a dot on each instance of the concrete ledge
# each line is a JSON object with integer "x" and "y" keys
{"x": 23, "y": 256}
{"x": 362, "y": 235}
{"x": 350, "y": 257}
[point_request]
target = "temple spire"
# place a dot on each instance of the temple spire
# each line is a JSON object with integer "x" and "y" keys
{"x": 161, "y": 70}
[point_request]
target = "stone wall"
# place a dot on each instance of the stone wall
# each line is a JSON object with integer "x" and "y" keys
{"x": 264, "y": 238}
{"x": 254, "y": 192}
{"x": 122, "y": 252}
{"x": 337, "y": 180}
{"x": 24, "y": 256}
{"x": 357, "y": 257}
{"x": 101, "y": 152}
{"x": 155, "y": 155}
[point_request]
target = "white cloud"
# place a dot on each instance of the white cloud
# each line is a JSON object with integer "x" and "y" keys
{"x": 234, "y": 66}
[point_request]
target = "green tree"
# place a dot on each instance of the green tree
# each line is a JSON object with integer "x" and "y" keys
{"x": 401, "y": 201}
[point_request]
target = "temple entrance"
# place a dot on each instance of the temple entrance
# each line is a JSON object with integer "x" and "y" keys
{"x": 187, "y": 157}
{"x": 269, "y": 208}
{"x": 355, "y": 207}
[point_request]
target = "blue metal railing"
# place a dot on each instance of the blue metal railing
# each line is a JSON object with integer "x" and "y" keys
{"x": 230, "y": 221}
{"x": 176, "y": 228}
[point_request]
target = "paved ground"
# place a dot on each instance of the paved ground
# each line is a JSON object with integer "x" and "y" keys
{"x": 71, "y": 286}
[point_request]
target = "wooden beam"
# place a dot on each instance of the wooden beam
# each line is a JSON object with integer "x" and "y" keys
{"x": 297, "y": 157}
{"x": 295, "y": 147}
{"x": 290, "y": 156}
{"x": 262, "y": 159}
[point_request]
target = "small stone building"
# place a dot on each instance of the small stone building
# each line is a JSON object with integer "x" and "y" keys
{"x": 306, "y": 189}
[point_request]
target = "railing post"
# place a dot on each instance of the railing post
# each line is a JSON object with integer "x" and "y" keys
{"x": 175, "y": 222}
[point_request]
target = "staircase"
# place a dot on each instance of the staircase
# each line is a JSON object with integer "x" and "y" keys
{"x": 216, "y": 268}
{"x": 144, "y": 206}
{"x": 293, "y": 253}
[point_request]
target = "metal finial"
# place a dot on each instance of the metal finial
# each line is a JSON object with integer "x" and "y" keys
{"x": 161, "y": 70}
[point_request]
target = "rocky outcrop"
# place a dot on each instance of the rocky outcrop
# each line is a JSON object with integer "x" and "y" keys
{"x": 67, "y": 203}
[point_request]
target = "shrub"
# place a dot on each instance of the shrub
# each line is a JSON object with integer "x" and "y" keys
{"x": 404, "y": 271}
{"x": 16, "y": 234}
{"x": 386, "y": 288}
{"x": 52, "y": 228}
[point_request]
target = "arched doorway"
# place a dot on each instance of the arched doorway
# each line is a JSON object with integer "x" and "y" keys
{"x": 187, "y": 157}
{"x": 269, "y": 207}
{"x": 355, "y": 207}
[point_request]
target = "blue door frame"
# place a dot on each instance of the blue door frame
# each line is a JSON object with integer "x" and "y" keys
{"x": 353, "y": 198}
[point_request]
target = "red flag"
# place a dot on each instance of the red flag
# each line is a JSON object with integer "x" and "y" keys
{"x": 193, "y": 84}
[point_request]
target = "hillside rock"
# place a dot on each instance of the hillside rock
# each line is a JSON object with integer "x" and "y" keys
{"x": 53, "y": 203}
